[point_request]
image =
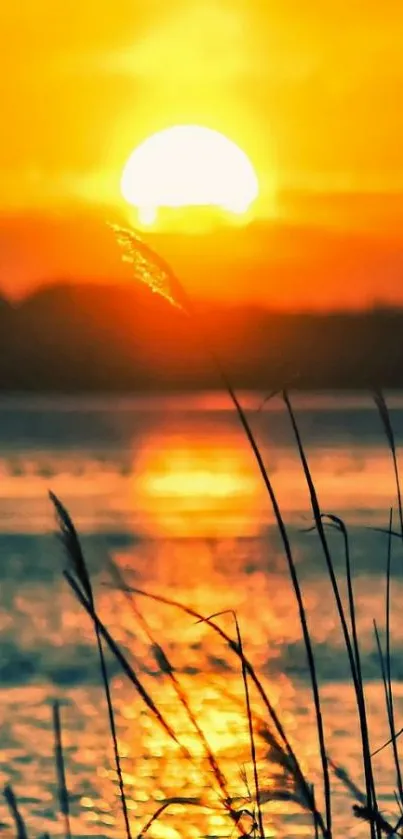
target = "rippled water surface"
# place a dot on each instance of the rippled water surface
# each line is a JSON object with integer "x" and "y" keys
{"x": 168, "y": 490}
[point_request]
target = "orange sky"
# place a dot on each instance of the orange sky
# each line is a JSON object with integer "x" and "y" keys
{"x": 310, "y": 90}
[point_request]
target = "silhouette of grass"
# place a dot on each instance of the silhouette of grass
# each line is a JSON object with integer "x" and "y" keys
{"x": 20, "y": 829}
{"x": 291, "y": 784}
{"x": 168, "y": 669}
{"x": 81, "y": 578}
{"x": 384, "y": 414}
{"x": 172, "y": 288}
{"x": 259, "y": 822}
{"x": 297, "y": 787}
{"x": 351, "y": 644}
{"x": 158, "y": 275}
{"x": 61, "y": 773}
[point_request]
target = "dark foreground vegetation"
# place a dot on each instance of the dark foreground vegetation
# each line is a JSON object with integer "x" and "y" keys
{"x": 343, "y": 334}
{"x": 72, "y": 338}
{"x": 247, "y": 814}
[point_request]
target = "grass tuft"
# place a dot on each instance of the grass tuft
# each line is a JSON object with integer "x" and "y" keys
{"x": 81, "y": 579}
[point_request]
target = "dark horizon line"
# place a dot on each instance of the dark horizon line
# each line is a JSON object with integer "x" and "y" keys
{"x": 377, "y": 305}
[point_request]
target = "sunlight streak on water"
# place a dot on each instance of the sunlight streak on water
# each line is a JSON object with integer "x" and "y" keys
{"x": 173, "y": 497}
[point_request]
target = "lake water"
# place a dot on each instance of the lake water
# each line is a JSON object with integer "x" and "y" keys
{"x": 169, "y": 490}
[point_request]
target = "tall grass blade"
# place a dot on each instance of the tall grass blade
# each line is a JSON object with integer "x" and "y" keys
{"x": 394, "y": 734}
{"x": 348, "y": 783}
{"x": 126, "y": 667}
{"x": 72, "y": 545}
{"x": 383, "y": 410}
{"x": 250, "y": 728}
{"x": 166, "y": 666}
{"x": 388, "y": 666}
{"x": 173, "y": 290}
{"x": 385, "y": 665}
{"x": 307, "y": 788}
{"x": 60, "y": 770}
{"x": 21, "y": 831}
{"x": 339, "y": 524}
{"x": 75, "y": 555}
{"x": 299, "y": 599}
{"x": 352, "y": 653}
{"x": 381, "y": 663}
{"x": 112, "y": 726}
{"x": 250, "y": 720}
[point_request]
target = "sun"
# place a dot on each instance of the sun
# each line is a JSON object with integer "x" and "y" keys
{"x": 188, "y": 166}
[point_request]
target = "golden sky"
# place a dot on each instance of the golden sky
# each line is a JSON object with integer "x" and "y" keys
{"x": 310, "y": 90}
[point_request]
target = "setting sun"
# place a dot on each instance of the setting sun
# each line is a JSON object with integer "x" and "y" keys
{"x": 188, "y": 166}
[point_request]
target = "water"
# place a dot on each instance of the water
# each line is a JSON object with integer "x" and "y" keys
{"x": 169, "y": 490}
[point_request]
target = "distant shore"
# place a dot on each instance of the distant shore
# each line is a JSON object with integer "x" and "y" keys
{"x": 120, "y": 339}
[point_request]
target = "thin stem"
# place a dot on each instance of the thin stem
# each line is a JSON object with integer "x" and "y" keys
{"x": 255, "y": 679}
{"x": 369, "y": 779}
{"x": 251, "y": 732}
{"x": 126, "y": 667}
{"x": 167, "y": 668}
{"x": 298, "y": 594}
{"x": 388, "y": 428}
{"x": 60, "y": 768}
{"x": 388, "y": 667}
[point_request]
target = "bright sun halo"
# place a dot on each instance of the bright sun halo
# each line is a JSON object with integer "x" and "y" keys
{"x": 188, "y": 166}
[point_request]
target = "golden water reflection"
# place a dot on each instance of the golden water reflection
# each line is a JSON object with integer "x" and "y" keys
{"x": 196, "y": 523}
{"x": 205, "y": 490}
{"x": 154, "y": 767}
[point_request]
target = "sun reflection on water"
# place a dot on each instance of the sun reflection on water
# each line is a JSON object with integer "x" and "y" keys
{"x": 182, "y": 513}
{"x": 208, "y": 490}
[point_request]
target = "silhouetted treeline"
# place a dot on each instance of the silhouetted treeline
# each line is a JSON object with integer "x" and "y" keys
{"x": 72, "y": 338}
